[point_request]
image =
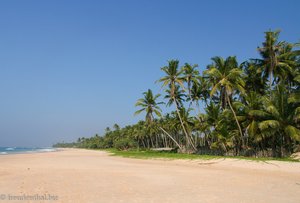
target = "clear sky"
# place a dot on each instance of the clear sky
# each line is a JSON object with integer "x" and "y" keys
{"x": 71, "y": 68}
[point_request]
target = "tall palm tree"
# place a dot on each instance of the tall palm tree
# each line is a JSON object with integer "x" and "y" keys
{"x": 194, "y": 88}
{"x": 275, "y": 60}
{"x": 150, "y": 106}
{"x": 177, "y": 96}
{"x": 190, "y": 75}
{"x": 199, "y": 91}
{"x": 203, "y": 89}
{"x": 173, "y": 78}
{"x": 226, "y": 79}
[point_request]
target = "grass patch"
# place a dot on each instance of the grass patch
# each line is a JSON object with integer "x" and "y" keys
{"x": 148, "y": 154}
{"x": 264, "y": 159}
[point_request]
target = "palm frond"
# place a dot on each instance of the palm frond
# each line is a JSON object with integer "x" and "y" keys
{"x": 258, "y": 113}
{"x": 294, "y": 98}
{"x": 264, "y": 125}
{"x": 292, "y": 132}
{"x": 139, "y": 111}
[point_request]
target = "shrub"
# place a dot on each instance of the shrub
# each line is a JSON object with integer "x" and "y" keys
{"x": 124, "y": 144}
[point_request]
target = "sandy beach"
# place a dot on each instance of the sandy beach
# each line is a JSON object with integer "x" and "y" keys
{"x": 75, "y": 175}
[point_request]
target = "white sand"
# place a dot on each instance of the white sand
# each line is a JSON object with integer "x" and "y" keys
{"x": 75, "y": 175}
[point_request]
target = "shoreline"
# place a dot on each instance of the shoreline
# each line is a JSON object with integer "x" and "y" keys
{"x": 27, "y": 150}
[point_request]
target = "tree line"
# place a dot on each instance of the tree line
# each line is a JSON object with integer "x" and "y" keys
{"x": 249, "y": 109}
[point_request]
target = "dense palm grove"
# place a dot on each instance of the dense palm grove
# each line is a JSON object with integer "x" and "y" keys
{"x": 250, "y": 109}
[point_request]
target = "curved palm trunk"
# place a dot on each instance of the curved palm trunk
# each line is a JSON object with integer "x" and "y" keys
{"x": 198, "y": 109}
{"x": 182, "y": 125}
{"x": 236, "y": 120}
{"x": 171, "y": 138}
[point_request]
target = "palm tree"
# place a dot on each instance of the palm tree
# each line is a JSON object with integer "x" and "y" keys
{"x": 203, "y": 89}
{"x": 178, "y": 94}
{"x": 224, "y": 133}
{"x": 107, "y": 130}
{"x": 116, "y": 127}
{"x": 199, "y": 91}
{"x": 174, "y": 78}
{"x": 289, "y": 57}
{"x": 253, "y": 80}
{"x": 139, "y": 133}
{"x": 280, "y": 120}
{"x": 275, "y": 60}
{"x": 190, "y": 75}
{"x": 150, "y": 106}
{"x": 173, "y": 75}
{"x": 195, "y": 86}
{"x": 250, "y": 112}
{"x": 227, "y": 78}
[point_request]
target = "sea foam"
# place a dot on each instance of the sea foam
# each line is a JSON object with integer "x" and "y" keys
{"x": 10, "y": 149}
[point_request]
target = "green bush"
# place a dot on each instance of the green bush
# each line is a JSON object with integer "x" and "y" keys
{"x": 125, "y": 144}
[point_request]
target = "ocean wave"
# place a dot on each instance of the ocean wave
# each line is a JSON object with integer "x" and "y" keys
{"x": 10, "y": 149}
{"x": 23, "y": 150}
{"x": 46, "y": 150}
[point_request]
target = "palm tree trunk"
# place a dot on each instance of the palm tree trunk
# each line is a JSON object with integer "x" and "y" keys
{"x": 156, "y": 141}
{"x": 171, "y": 138}
{"x": 270, "y": 83}
{"x": 152, "y": 143}
{"x": 166, "y": 141}
{"x": 237, "y": 122}
{"x": 271, "y": 80}
{"x": 184, "y": 130}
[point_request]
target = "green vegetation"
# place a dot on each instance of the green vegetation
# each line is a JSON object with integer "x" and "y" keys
{"x": 249, "y": 109}
{"x": 148, "y": 154}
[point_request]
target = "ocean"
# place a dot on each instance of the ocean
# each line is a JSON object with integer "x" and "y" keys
{"x": 23, "y": 150}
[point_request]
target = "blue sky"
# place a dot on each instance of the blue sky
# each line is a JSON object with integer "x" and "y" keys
{"x": 71, "y": 68}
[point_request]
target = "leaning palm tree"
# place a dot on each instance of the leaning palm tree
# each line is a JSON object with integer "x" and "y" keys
{"x": 150, "y": 106}
{"x": 226, "y": 79}
{"x": 172, "y": 79}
